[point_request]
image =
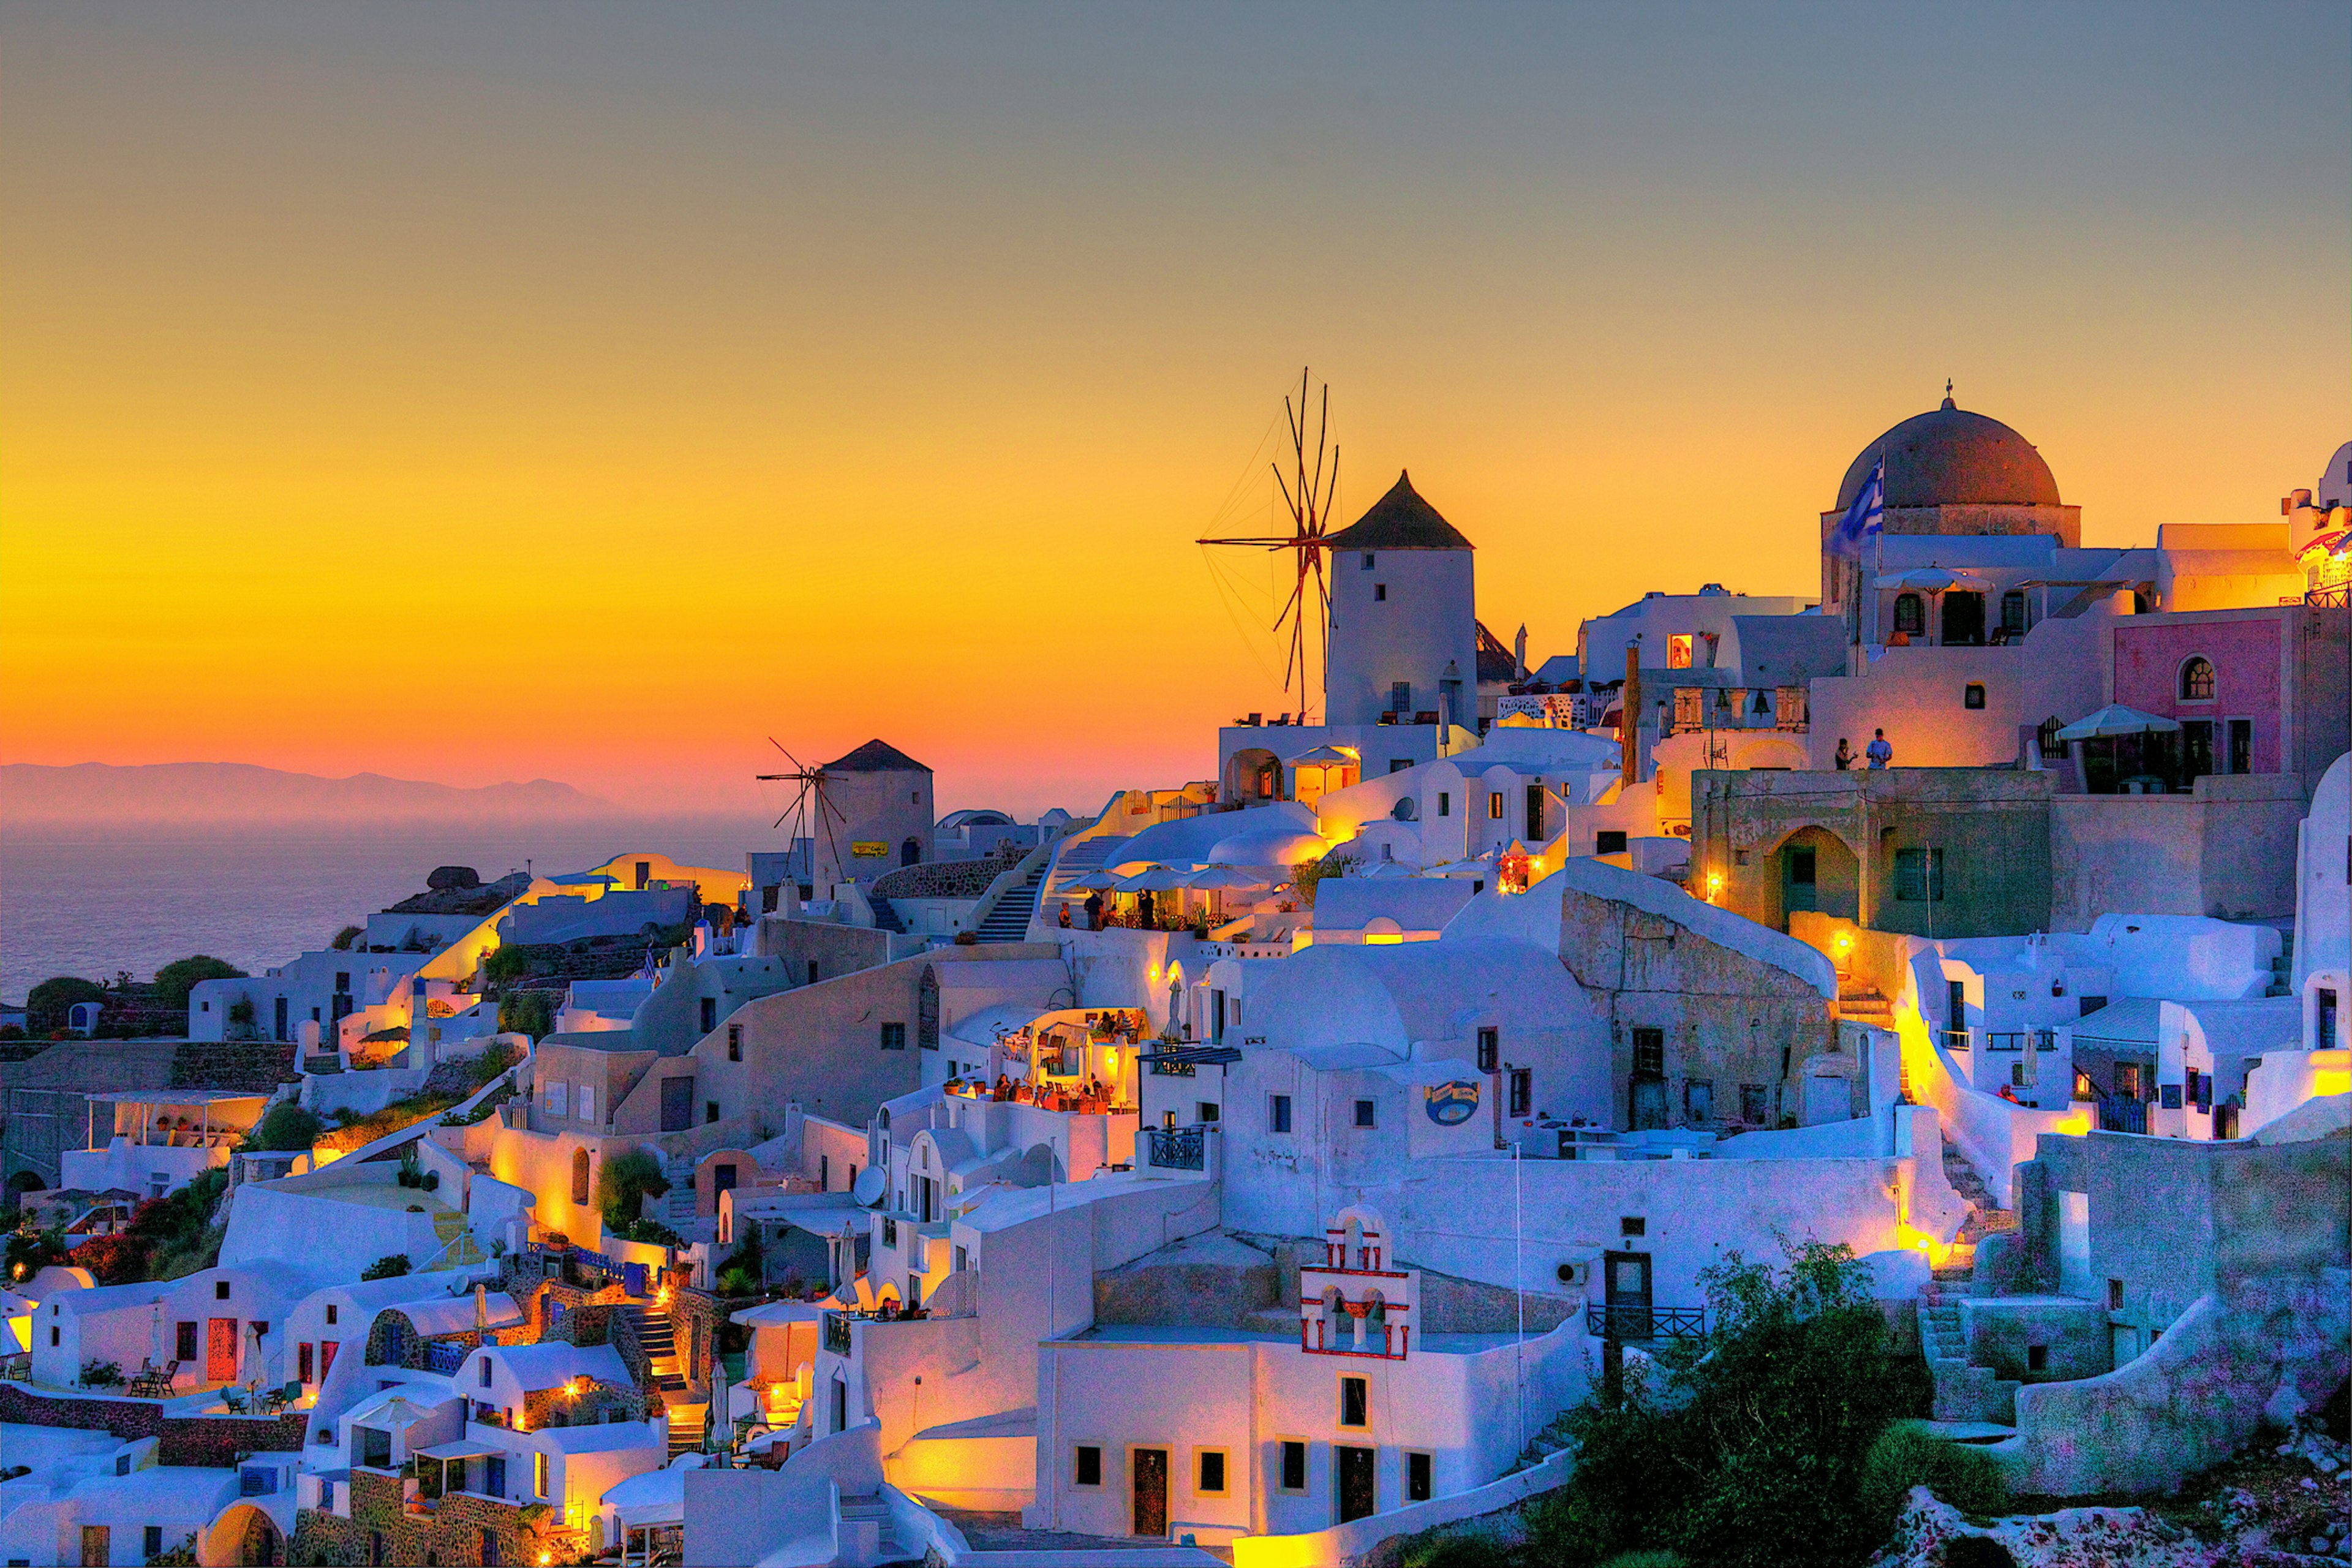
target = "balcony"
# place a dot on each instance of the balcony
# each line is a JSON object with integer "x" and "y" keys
{"x": 1177, "y": 1148}
{"x": 2022, "y": 1040}
{"x": 1621, "y": 1323}
{"x": 1956, "y": 1040}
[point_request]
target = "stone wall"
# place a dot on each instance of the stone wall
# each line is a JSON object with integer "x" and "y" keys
{"x": 255, "y": 1067}
{"x": 452, "y": 1533}
{"x": 2262, "y": 1349}
{"x": 2072, "y": 1336}
{"x": 182, "y": 1440}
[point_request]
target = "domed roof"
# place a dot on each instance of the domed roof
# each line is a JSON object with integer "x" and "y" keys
{"x": 1950, "y": 456}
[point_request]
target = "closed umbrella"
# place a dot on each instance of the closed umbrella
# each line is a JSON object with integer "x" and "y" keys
{"x": 2114, "y": 720}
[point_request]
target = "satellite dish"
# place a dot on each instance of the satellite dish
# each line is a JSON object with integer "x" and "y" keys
{"x": 868, "y": 1189}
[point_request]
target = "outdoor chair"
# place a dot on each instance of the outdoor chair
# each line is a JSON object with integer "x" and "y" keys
{"x": 235, "y": 1399}
{"x": 18, "y": 1366}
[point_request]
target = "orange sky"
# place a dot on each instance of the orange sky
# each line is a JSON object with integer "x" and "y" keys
{"x": 548, "y": 392}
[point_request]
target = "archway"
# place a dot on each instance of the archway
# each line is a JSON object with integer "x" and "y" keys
{"x": 1813, "y": 869}
{"x": 1253, "y": 774}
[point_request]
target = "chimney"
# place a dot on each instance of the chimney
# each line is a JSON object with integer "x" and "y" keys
{"x": 1519, "y": 653}
{"x": 1629, "y": 718}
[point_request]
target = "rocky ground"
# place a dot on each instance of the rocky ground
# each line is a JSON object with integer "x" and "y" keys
{"x": 2284, "y": 1505}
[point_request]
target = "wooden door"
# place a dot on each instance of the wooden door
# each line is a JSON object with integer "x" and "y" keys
{"x": 1148, "y": 1504}
{"x": 220, "y": 1350}
{"x": 1358, "y": 1494}
{"x": 677, "y": 1104}
{"x": 97, "y": 1546}
{"x": 1627, "y": 1288}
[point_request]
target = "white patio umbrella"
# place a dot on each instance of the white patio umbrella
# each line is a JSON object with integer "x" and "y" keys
{"x": 1932, "y": 580}
{"x": 2115, "y": 719}
{"x": 1157, "y": 880}
{"x": 1096, "y": 881}
{"x": 1224, "y": 879}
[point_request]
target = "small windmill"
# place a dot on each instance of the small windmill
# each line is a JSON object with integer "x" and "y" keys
{"x": 1308, "y": 494}
{"x": 810, "y": 811}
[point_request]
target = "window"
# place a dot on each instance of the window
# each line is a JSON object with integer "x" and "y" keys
{"x": 710, "y": 1110}
{"x": 1698, "y": 1100}
{"x": 1910, "y": 616}
{"x": 2115, "y": 1295}
{"x": 152, "y": 1539}
{"x": 1401, "y": 697}
{"x": 220, "y": 1289}
{"x": 489, "y": 1554}
{"x": 1277, "y": 1113}
{"x": 1678, "y": 651}
{"x": 1609, "y": 841}
{"x": 1690, "y": 708}
{"x": 538, "y": 1475}
{"x": 894, "y": 1036}
{"x": 1086, "y": 1466}
{"x": 2012, "y": 612}
{"x": 332, "y": 1309}
{"x": 734, "y": 1042}
{"x": 1379, "y": 593}
{"x": 1919, "y": 876}
{"x": 1293, "y": 1467}
{"x": 559, "y": 1098}
{"x": 1209, "y": 1473}
{"x": 1752, "y": 1104}
{"x": 587, "y": 1103}
{"x": 375, "y": 1448}
{"x": 1416, "y": 1477}
{"x": 1365, "y": 1113}
{"x": 483, "y": 1371}
{"x": 1523, "y": 1090}
{"x": 1494, "y": 805}
{"x": 1972, "y": 696}
{"x": 1445, "y": 804}
{"x": 812, "y": 972}
{"x": 1632, "y": 1224}
{"x": 2197, "y": 679}
{"x": 2128, "y": 1086}
{"x": 302, "y": 1364}
{"x": 1490, "y": 1050}
{"x": 1355, "y": 1402}
{"x": 1368, "y": 561}
{"x": 1650, "y": 1051}
{"x": 1205, "y": 1112}
{"x": 709, "y": 1014}
{"x": 2037, "y": 1358}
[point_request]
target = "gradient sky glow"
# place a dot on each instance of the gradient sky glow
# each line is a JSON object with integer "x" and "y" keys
{"x": 559, "y": 389}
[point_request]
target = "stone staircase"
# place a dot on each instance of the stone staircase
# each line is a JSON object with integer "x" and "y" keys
{"x": 2282, "y": 969}
{"x": 1984, "y": 1217}
{"x": 1862, "y": 1004}
{"x": 1008, "y": 920}
{"x": 1544, "y": 1444}
{"x": 867, "y": 1536}
{"x": 1964, "y": 1392}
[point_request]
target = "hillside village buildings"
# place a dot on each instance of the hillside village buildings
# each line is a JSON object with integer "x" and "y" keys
{"x": 1260, "y": 1165}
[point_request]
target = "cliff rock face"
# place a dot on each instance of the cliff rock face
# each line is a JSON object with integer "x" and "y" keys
{"x": 1928, "y": 1530}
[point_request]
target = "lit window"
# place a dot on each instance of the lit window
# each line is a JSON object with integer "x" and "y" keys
{"x": 1678, "y": 651}
{"x": 2197, "y": 680}
{"x": 1494, "y": 805}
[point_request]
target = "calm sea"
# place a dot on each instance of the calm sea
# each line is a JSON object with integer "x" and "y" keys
{"x": 90, "y": 905}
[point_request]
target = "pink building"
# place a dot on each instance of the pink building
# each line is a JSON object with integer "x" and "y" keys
{"x": 2254, "y": 692}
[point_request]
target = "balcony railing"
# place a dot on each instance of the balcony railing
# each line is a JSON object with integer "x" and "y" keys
{"x": 837, "y": 1334}
{"x": 1179, "y": 1148}
{"x": 1958, "y": 1040}
{"x": 2023, "y": 1039}
{"x": 444, "y": 1356}
{"x": 1645, "y": 1322}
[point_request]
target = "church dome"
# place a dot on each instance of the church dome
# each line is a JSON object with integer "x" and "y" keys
{"x": 1950, "y": 456}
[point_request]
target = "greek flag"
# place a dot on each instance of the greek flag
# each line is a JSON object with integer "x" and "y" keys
{"x": 1861, "y": 518}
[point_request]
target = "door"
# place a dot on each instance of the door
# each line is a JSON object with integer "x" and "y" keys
{"x": 1799, "y": 890}
{"x": 1148, "y": 1497}
{"x": 2196, "y": 750}
{"x": 220, "y": 1350}
{"x": 1534, "y": 834}
{"x": 1627, "y": 1291}
{"x": 1357, "y": 1496}
{"x": 722, "y": 1180}
{"x": 677, "y": 1104}
{"x": 2242, "y": 745}
{"x": 494, "y": 1475}
{"x": 1964, "y": 620}
{"x": 97, "y": 1546}
{"x": 1648, "y": 1109}
{"x": 326, "y": 1348}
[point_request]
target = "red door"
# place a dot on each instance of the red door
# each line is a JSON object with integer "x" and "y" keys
{"x": 220, "y": 1350}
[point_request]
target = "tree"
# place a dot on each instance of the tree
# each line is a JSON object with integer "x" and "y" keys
{"x": 286, "y": 1125}
{"x": 177, "y": 978}
{"x": 626, "y": 1180}
{"x": 1749, "y": 1452}
{"x": 46, "y": 1004}
{"x": 529, "y": 1013}
{"x": 348, "y": 935}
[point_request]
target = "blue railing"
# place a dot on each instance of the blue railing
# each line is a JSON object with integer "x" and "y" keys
{"x": 1179, "y": 1148}
{"x": 444, "y": 1356}
{"x": 1645, "y": 1322}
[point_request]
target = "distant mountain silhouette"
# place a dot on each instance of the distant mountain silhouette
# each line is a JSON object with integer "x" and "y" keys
{"x": 222, "y": 793}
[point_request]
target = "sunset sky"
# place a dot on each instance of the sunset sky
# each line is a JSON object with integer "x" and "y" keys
{"x": 480, "y": 393}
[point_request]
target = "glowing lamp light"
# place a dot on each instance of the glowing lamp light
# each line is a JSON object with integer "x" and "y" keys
{"x": 1110, "y": 1059}
{"x": 1714, "y": 884}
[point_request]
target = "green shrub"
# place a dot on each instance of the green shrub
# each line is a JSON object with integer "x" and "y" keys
{"x": 286, "y": 1126}
{"x": 101, "y": 1374}
{"x": 529, "y": 1013}
{"x": 1647, "y": 1559}
{"x": 46, "y": 1005}
{"x": 177, "y": 978}
{"x": 1466, "y": 1551}
{"x": 390, "y": 1267}
{"x": 626, "y": 1179}
{"x": 348, "y": 935}
{"x": 1907, "y": 1455}
{"x": 1762, "y": 1423}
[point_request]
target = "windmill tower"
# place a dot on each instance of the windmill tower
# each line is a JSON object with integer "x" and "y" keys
{"x": 816, "y": 820}
{"x": 1308, "y": 494}
{"x": 862, "y": 813}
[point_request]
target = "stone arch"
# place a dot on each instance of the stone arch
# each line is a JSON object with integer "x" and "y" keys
{"x": 243, "y": 1534}
{"x": 1835, "y": 871}
{"x": 1364, "y": 1237}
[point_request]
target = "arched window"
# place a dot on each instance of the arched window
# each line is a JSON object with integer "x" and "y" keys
{"x": 2197, "y": 680}
{"x": 1910, "y": 615}
{"x": 580, "y": 1176}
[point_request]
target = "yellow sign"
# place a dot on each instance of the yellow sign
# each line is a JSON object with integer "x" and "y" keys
{"x": 867, "y": 849}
